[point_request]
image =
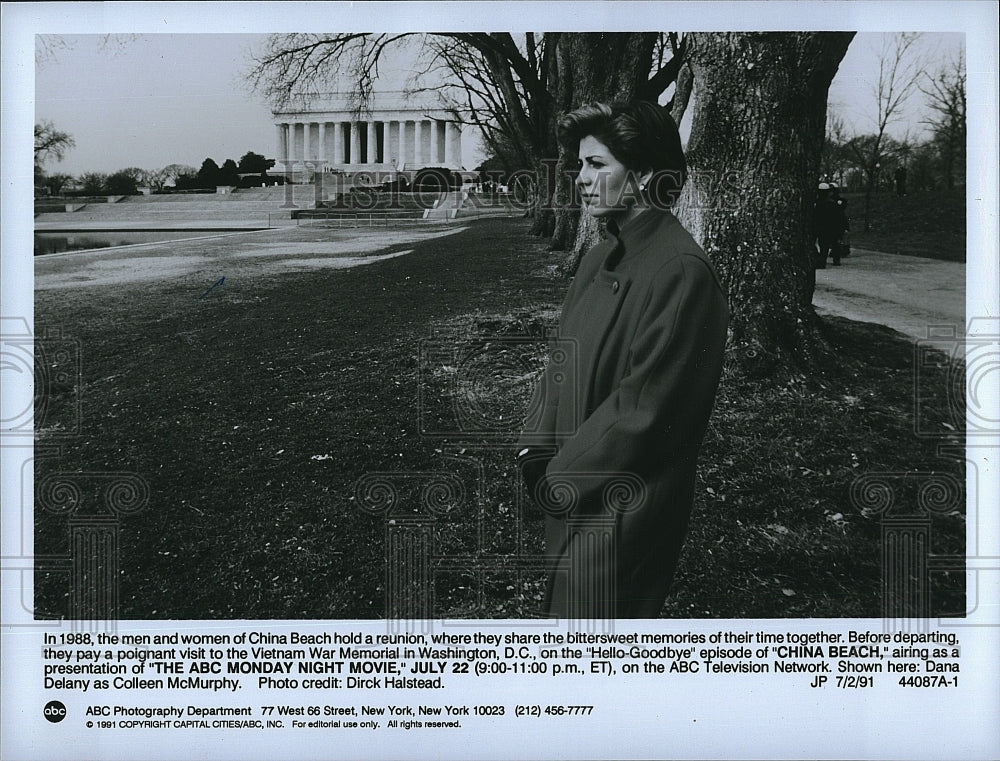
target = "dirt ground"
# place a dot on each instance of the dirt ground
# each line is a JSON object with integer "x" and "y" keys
{"x": 258, "y": 412}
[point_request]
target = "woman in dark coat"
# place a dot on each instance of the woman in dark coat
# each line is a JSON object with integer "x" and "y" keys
{"x": 612, "y": 438}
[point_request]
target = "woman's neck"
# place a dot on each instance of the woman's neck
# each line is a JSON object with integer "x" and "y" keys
{"x": 629, "y": 214}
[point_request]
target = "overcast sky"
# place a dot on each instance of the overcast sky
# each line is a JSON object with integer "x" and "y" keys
{"x": 156, "y": 99}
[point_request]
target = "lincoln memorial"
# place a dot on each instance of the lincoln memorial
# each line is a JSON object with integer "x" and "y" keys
{"x": 391, "y": 135}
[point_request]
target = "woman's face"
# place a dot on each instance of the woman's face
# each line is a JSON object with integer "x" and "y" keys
{"x": 607, "y": 188}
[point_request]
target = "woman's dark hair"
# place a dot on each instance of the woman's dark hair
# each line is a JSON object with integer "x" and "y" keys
{"x": 641, "y": 135}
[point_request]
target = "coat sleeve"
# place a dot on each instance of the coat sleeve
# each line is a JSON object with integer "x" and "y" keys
{"x": 661, "y": 407}
{"x": 539, "y": 424}
{"x": 539, "y": 429}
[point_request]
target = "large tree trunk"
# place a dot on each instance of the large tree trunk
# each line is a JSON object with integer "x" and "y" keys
{"x": 567, "y": 217}
{"x": 605, "y": 67}
{"x": 754, "y": 156}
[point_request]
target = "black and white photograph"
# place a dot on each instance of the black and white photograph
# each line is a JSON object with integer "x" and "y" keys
{"x": 300, "y": 357}
{"x": 579, "y": 332}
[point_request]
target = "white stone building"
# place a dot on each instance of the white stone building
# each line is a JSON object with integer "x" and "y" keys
{"x": 394, "y": 134}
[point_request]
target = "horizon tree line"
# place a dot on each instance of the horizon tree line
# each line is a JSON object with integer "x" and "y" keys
{"x": 51, "y": 143}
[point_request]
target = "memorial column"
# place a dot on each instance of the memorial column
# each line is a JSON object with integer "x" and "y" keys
{"x": 449, "y": 145}
{"x": 435, "y": 157}
{"x": 418, "y": 140}
{"x": 307, "y": 154}
{"x": 372, "y": 156}
{"x": 338, "y": 143}
{"x": 355, "y": 143}
{"x": 402, "y": 144}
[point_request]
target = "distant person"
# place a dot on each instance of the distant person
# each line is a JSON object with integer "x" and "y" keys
{"x": 844, "y": 243}
{"x": 830, "y": 223}
{"x": 900, "y": 177}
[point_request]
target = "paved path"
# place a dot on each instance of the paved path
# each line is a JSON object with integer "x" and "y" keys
{"x": 906, "y": 293}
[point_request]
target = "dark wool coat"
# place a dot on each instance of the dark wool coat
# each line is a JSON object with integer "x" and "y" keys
{"x": 624, "y": 404}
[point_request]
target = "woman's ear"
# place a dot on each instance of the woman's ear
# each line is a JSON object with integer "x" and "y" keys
{"x": 644, "y": 179}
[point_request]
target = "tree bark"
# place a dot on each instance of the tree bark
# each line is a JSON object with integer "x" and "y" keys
{"x": 682, "y": 93}
{"x": 753, "y": 157}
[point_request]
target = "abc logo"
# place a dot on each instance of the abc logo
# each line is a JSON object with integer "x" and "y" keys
{"x": 54, "y": 711}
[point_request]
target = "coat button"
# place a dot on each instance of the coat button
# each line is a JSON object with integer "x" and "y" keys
{"x": 615, "y": 287}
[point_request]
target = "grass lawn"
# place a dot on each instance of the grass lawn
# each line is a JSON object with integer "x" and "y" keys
{"x": 293, "y": 428}
{"x": 922, "y": 223}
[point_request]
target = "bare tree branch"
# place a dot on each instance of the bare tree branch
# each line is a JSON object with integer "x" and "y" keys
{"x": 50, "y": 143}
{"x": 898, "y": 76}
{"x": 945, "y": 94}
{"x": 899, "y": 73}
{"x": 667, "y": 73}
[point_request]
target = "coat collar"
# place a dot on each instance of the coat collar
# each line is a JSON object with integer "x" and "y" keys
{"x": 631, "y": 238}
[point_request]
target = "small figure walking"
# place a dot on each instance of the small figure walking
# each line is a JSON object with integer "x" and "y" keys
{"x": 844, "y": 242}
{"x": 830, "y": 222}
